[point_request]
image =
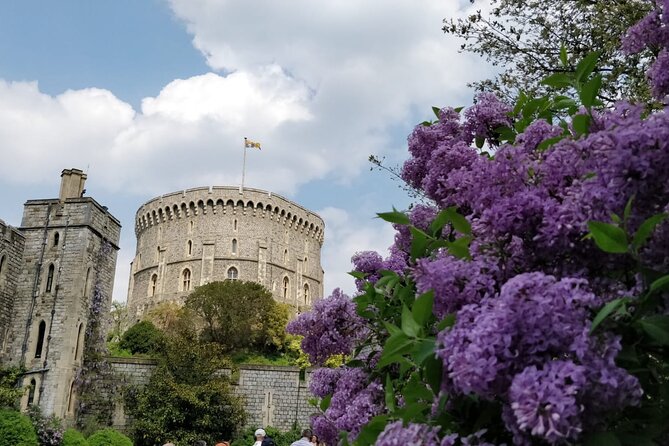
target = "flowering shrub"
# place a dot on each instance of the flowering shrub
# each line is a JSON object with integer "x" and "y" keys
{"x": 529, "y": 304}
{"x": 49, "y": 429}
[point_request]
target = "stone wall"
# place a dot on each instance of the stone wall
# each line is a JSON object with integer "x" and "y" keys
{"x": 274, "y": 396}
{"x": 186, "y": 239}
{"x": 11, "y": 257}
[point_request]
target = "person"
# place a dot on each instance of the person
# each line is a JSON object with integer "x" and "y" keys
{"x": 223, "y": 443}
{"x": 200, "y": 443}
{"x": 262, "y": 439}
{"x": 314, "y": 440}
{"x": 305, "y": 440}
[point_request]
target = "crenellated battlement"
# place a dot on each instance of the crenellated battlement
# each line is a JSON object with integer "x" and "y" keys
{"x": 224, "y": 200}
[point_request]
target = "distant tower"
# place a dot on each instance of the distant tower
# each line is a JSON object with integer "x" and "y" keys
{"x": 56, "y": 276}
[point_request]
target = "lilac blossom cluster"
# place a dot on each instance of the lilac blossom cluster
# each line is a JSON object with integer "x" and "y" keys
{"x": 652, "y": 32}
{"x": 333, "y": 327}
{"x": 355, "y": 401}
{"x": 413, "y": 434}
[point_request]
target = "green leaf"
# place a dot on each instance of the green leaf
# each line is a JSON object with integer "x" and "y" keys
{"x": 423, "y": 350}
{"x": 459, "y": 222}
{"x": 390, "y": 394}
{"x": 409, "y": 325}
{"x": 628, "y": 209}
{"x": 419, "y": 242}
{"x": 646, "y": 229}
{"x": 395, "y": 216}
{"x": 609, "y": 238}
{"x": 433, "y": 373}
{"x": 558, "y": 80}
{"x": 370, "y": 432}
{"x": 601, "y": 439}
{"x": 439, "y": 221}
{"x": 394, "y": 348}
{"x": 436, "y": 111}
{"x": 325, "y": 403}
{"x": 460, "y": 247}
{"x": 479, "y": 142}
{"x": 358, "y": 274}
{"x": 581, "y": 124}
{"x": 392, "y": 328}
{"x": 546, "y": 143}
{"x": 447, "y": 322}
{"x": 657, "y": 327}
{"x": 660, "y": 284}
{"x": 590, "y": 90}
{"x": 563, "y": 55}
{"x": 606, "y": 311}
{"x": 422, "y": 308}
{"x": 586, "y": 66}
{"x": 458, "y": 109}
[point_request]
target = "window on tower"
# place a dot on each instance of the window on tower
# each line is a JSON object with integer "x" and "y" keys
{"x": 152, "y": 285}
{"x": 234, "y": 246}
{"x": 286, "y": 284}
{"x": 40, "y": 339}
{"x": 233, "y": 274}
{"x": 190, "y": 248}
{"x": 49, "y": 278}
{"x": 186, "y": 279}
{"x": 56, "y": 239}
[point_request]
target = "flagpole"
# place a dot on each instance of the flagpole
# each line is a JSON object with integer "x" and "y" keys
{"x": 241, "y": 189}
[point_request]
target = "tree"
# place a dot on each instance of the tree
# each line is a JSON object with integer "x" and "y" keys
{"x": 187, "y": 398}
{"x": 143, "y": 337}
{"x": 119, "y": 321}
{"x": 525, "y": 37}
{"x": 9, "y": 392}
{"x": 238, "y": 315}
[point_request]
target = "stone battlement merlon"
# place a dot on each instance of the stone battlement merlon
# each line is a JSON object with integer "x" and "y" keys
{"x": 7, "y": 229}
{"x": 202, "y": 200}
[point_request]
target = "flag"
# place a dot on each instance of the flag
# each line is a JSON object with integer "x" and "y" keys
{"x": 248, "y": 143}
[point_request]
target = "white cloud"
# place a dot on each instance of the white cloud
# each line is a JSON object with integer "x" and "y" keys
{"x": 346, "y": 234}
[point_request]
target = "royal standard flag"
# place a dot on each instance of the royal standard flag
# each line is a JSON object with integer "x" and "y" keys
{"x": 248, "y": 143}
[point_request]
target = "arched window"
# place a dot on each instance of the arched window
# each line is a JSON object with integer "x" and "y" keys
{"x": 86, "y": 283}
{"x": 186, "y": 279}
{"x": 234, "y": 246}
{"x": 306, "y": 294}
{"x": 306, "y": 261}
{"x": 2, "y": 263}
{"x": 234, "y": 224}
{"x": 190, "y": 248}
{"x": 286, "y": 282}
{"x": 158, "y": 255}
{"x": 49, "y": 278}
{"x": 56, "y": 239}
{"x": 285, "y": 256}
{"x": 233, "y": 274}
{"x": 152, "y": 285}
{"x": 40, "y": 339}
{"x": 31, "y": 392}
{"x": 71, "y": 399}
{"x": 192, "y": 224}
{"x": 77, "y": 348}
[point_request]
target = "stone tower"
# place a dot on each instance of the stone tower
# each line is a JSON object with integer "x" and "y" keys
{"x": 61, "y": 240}
{"x": 188, "y": 238}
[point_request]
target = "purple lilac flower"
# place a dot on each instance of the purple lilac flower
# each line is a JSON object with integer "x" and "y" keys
{"x": 536, "y": 133}
{"x": 486, "y": 116}
{"x": 658, "y": 74}
{"x": 368, "y": 262}
{"x": 323, "y": 381}
{"x": 332, "y": 327}
{"x": 325, "y": 429}
{"x": 644, "y": 33}
{"x": 396, "y": 434}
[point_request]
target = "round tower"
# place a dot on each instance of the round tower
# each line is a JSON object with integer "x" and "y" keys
{"x": 189, "y": 238}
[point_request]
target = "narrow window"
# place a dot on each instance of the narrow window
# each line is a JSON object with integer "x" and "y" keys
{"x": 306, "y": 294}
{"x": 2, "y": 263}
{"x": 285, "y": 256}
{"x": 285, "y": 288}
{"x": 77, "y": 350}
{"x": 40, "y": 339}
{"x": 88, "y": 276}
{"x": 191, "y": 226}
{"x": 152, "y": 287}
{"x": 49, "y": 278}
{"x": 306, "y": 261}
{"x": 186, "y": 280}
{"x": 190, "y": 248}
{"x": 233, "y": 274}
{"x": 234, "y": 246}
{"x": 70, "y": 404}
{"x": 31, "y": 392}
{"x": 56, "y": 239}
{"x": 234, "y": 224}
{"x": 158, "y": 255}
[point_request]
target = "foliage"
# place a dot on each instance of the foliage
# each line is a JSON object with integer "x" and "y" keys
{"x": 527, "y": 304}
{"x": 49, "y": 428}
{"x": 73, "y": 437}
{"x": 108, "y": 437}
{"x": 187, "y": 398}
{"x": 119, "y": 321}
{"x": 141, "y": 338}
{"x": 239, "y": 315}
{"x": 165, "y": 316}
{"x": 115, "y": 350}
{"x": 16, "y": 429}
{"x": 280, "y": 438}
{"x": 525, "y": 39}
{"x": 9, "y": 392}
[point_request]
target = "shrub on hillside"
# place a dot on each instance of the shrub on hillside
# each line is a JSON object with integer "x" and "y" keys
{"x": 49, "y": 429}
{"x": 108, "y": 437}
{"x": 73, "y": 437}
{"x": 16, "y": 429}
{"x": 143, "y": 337}
{"x": 9, "y": 393}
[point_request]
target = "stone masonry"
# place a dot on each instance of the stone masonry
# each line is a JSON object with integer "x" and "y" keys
{"x": 52, "y": 293}
{"x": 189, "y": 238}
{"x": 11, "y": 257}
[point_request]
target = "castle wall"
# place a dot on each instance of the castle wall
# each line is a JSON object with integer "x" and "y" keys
{"x": 207, "y": 231}
{"x": 11, "y": 256}
{"x": 53, "y": 294}
{"x": 274, "y": 395}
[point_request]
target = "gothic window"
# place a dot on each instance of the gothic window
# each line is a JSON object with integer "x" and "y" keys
{"x": 306, "y": 294}
{"x": 71, "y": 398}
{"x": 86, "y": 283}
{"x": 192, "y": 223}
{"x": 77, "y": 348}
{"x": 158, "y": 255}
{"x": 305, "y": 263}
{"x": 40, "y": 339}
{"x": 285, "y": 256}
{"x": 56, "y": 239}
{"x": 186, "y": 279}
{"x": 190, "y": 248}
{"x": 49, "y": 278}
{"x": 234, "y": 224}
{"x": 233, "y": 274}
{"x": 152, "y": 286}
{"x": 286, "y": 282}
{"x": 2, "y": 263}
{"x": 234, "y": 246}
{"x": 31, "y": 392}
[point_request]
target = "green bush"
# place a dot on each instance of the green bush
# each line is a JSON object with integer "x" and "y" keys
{"x": 143, "y": 337}
{"x": 9, "y": 393}
{"x": 73, "y": 437}
{"x": 16, "y": 429}
{"x": 108, "y": 437}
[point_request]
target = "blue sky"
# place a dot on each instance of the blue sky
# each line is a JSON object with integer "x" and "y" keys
{"x": 154, "y": 96}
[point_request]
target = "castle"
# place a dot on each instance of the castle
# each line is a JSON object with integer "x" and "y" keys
{"x": 50, "y": 269}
